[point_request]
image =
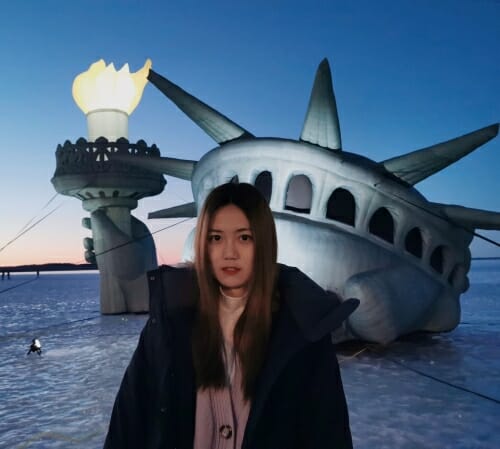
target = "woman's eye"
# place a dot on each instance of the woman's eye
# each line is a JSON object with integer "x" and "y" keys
{"x": 246, "y": 237}
{"x": 214, "y": 238}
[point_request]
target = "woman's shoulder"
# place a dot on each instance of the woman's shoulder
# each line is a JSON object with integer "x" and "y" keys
{"x": 172, "y": 287}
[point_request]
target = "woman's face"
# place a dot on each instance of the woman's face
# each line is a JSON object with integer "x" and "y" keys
{"x": 231, "y": 249}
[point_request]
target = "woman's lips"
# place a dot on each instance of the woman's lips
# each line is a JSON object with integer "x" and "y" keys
{"x": 231, "y": 270}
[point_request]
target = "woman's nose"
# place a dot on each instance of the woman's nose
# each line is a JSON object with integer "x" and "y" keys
{"x": 230, "y": 250}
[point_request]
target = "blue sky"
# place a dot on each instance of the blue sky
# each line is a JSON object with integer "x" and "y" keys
{"x": 407, "y": 74}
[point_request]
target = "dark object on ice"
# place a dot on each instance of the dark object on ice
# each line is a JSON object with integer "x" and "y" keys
{"x": 35, "y": 346}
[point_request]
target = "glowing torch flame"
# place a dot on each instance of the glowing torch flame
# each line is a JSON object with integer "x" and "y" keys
{"x": 102, "y": 87}
{"x": 107, "y": 97}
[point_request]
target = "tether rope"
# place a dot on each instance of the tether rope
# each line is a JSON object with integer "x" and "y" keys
{"x": 18, "y": 285}
{"x": 30, "y": 227}
{"x": 42, "y": 208}
{"x": 146, "y": 235}
{"x": 373, "y": 349}
{"x": 40, "y": 331}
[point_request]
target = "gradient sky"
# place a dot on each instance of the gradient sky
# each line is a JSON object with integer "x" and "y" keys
{"x": 407, "y": 74}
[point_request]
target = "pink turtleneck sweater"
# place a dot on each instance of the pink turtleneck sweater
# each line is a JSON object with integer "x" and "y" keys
{"x": 221, "y": 415}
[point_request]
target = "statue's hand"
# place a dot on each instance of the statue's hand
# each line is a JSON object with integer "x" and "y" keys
{"x": 117, "y": 253}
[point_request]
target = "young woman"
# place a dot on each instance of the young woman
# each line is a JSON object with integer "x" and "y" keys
{"x": 237, "y": 352}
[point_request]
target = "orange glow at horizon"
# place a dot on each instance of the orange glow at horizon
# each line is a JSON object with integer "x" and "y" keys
{"x": 169, "y": 247}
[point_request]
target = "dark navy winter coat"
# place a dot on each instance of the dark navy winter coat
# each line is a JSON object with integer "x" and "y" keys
{"x": 299, "y": 401}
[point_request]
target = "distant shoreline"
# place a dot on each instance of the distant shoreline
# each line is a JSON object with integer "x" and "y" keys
{"x": 89, "y": 266}
{"x": 48, "y": 267}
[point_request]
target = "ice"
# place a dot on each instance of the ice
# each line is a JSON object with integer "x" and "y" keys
{"x": 423, "y": 391}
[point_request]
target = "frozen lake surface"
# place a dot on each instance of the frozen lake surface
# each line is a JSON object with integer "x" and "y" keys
{"x": 426, "y": 391}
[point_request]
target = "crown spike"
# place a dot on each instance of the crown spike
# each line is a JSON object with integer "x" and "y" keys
{"x": 321, "y": 125}
{"x": 215, "y": 124}
{"x": 420, "y": 164}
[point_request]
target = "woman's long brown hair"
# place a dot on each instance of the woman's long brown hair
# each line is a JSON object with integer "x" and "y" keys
{"x": 252, "y": 330}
